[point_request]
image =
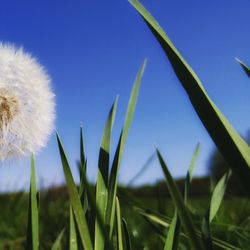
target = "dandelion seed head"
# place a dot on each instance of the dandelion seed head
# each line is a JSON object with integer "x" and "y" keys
{"x": 27, "y": 105}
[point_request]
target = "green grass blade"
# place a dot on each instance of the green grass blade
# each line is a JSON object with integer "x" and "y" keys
{"x": 174, "y": 230}
{"x": 126, "y": 234}
{"x": 75, "y": 200}
{"x": 190, "y": 172}
{"x": 102, "y": 178}
{"x": 119, "y": 224}
{"x": 72, "y": 231}
{"x": 112, "y": 189}
{"x": 131, "y": 108}
{"x": 82, "y": 153}
{"x": 33, "y": 224}
{"x": 119, "y": 151}
{"x": 173, "y": 234}
{"x": 155, "y": 217}
{"x": 218, "y": 195}
{"x": 180, "y": 206}
{"x": 82, "y": 165}
{"x": 82, "y": 192}
{"x": 244, "y": 66}
{"x": 58, "y": 243}
{"x": 216, "y": 200}
{"x": 94, "y": 212}
{"x": 206, "y": 232}
{"x": 234, "y": 149}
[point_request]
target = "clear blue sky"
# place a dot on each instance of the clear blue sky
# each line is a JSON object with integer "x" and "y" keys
{"x": 93, "y": 49}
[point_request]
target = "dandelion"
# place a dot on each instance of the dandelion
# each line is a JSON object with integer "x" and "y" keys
{"x": 26, "y": 104}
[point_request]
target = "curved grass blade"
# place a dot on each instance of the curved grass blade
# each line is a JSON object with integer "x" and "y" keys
{"x": 58, "y": 243}
{"x": 102, "y": 178}
{"x": 75, "y": 200}
{"x": 126, "y": 234}
{"x": 180, "y": 206}
{"x": 112, "y": 189}
{"x": 166, "y": 222}
{"x": 72, "y": 231}
{"x": 155, "y": 217}
{"x": 234, "y": 149}
{"x": 218, "y": 195}
{"x": 33, "y": 224}
{"x": 244, "y": 66}
{"x": 119, "y": 224}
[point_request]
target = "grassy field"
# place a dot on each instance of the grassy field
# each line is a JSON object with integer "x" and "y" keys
{"x": 232, "y": 223}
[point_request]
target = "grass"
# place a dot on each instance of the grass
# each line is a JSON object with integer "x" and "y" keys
{"x": 54, "y": 215}
{"x": 103, "y": 216}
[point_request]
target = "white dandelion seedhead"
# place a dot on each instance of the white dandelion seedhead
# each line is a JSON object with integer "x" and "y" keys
{"x": 26, "y": 104}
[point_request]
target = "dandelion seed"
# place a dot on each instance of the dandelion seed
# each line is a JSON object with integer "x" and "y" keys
{"x": 27, "y": 106}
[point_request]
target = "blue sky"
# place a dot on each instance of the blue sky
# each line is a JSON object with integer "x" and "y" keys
{"x": 92, "y": 51}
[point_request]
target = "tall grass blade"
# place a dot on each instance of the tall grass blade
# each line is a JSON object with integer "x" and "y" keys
{"x": 102, "y": 178}
{"x": 58, "y": 243}
{"x": 82, "y": 192}
{"x": 244, "y": 66}
{"x": 174, "y": 230}
{"x": 180, "y": 206}
{"x": 94, "y": 212}
{"x": 82, "y": 153}
{"x": 82, "y": 165}
{"x": 75, "y": 200}
{"x": 119, "y": 224}
{"x": 173, "y": 233}
{"x": 112, "y": 189}
{"x": 234, "y": 149}
{"x": 126, "y": 234}
{"x": 206, "y": 232}
{"x": 33, "y": 227}
{"x": 72, "y": 231}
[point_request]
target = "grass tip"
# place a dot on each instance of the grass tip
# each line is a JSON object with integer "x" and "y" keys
{"x": 117, "y": 97}
{"x": 238, "y": 60}
{"x": 156, "y": 147}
